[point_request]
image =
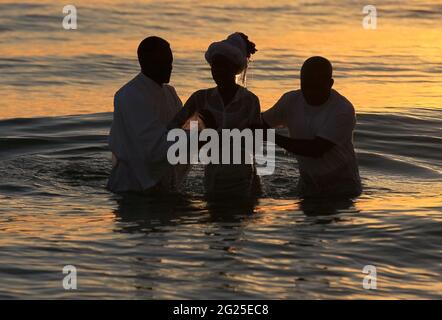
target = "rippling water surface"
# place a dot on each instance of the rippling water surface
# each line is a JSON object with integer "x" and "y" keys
{"x": 54, "y": 210}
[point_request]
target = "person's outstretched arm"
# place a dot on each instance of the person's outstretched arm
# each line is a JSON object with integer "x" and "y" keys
{"x": 338, "y": 129}
{"x": 314, "y": 148}
{"x": 190, "y": 107}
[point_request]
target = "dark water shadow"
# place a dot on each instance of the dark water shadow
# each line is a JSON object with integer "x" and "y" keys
{"x": 214, "y": 228}
{"x": 154, "y": 213}
{"x": 325, "y": 206}
{"x": 327, "y": 210}
{"x": 230, "y": 210}
{"x": 157, "y": 213}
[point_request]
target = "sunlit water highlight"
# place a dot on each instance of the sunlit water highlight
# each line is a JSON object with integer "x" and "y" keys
{"x": 54, "y": 210}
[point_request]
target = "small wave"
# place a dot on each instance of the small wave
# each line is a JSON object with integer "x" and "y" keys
{"x": 52, "y": 70}
{"x": 392, "y": 165}
{"x": 72, "y": 150}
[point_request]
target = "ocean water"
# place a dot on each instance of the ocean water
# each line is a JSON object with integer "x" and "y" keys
{"x": 57, "y": 88}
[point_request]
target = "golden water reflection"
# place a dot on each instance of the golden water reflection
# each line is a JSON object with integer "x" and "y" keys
{"x": 405, "y": 57}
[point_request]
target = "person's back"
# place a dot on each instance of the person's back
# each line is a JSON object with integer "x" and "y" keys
{"x": 142, "y": 109}
{"x": 321, "y": 124}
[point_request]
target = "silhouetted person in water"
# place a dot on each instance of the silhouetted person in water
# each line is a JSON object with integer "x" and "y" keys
{"x": 142, "y": 110}
{"x": 320, "y": 123}
{"x": 232, "y": 106}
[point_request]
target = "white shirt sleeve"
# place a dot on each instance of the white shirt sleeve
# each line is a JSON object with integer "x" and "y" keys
{"x": 277, "y": 115}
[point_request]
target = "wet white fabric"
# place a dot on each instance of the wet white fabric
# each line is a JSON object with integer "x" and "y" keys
{"x": 242, "y": 112}
{"x": 138, "y": 137}
{"x": 336, "y": 172}
{"x": 234, "y": 48}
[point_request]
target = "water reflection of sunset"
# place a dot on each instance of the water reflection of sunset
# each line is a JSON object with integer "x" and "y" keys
{"x": 55, "y": 210}
{"x": 393, "y": 66}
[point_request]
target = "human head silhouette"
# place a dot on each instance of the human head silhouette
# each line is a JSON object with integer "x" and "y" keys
{"x": 223, "y": 70}
{"x": 155, "y": 58}
{"x": 230, "y": 57}
{"x": 316, "y": 80}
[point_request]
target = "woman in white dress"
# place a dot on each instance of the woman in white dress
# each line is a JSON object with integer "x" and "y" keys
{"x": 231, "y": 106}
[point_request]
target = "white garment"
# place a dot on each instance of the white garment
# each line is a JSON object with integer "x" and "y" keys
{"x": 138, "y": 137}
{"x": 242, "y": 112}
{"x": 336, "y": 172}
{"x": 234, "y": 48}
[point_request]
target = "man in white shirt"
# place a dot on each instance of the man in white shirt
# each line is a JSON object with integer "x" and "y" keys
{"x": 321, "y": 124}
{"x": 138, "y": 137}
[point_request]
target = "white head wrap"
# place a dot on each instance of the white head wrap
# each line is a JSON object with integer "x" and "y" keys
{"x": 234, "y": 48}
